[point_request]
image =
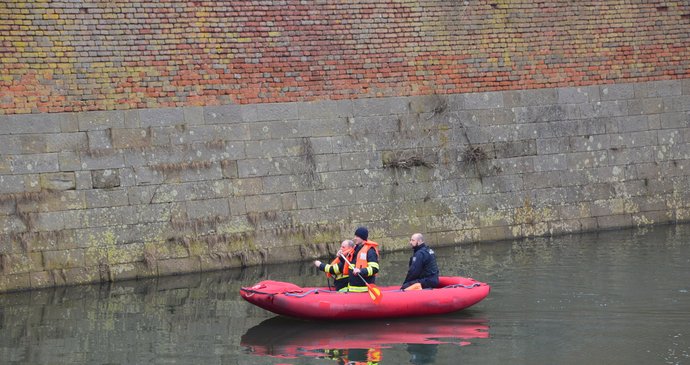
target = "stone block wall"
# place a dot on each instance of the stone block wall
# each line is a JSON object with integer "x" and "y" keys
{"x": 123, "y": 194}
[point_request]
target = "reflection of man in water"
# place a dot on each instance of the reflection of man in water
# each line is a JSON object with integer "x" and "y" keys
{"x": 422, "y": 354}
{"x": 355, "y": 356}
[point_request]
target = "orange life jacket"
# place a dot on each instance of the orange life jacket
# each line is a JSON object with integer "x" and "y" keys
{"x": 361, "y": 259}
{"x": 346, "y": 268}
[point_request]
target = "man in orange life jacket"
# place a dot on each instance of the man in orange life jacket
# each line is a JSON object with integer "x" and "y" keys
{"x": 337, "y": 268}
{"x": 366, "y": 261}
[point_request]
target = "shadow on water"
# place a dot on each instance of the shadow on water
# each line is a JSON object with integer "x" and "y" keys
{"x": 291, "y": 338}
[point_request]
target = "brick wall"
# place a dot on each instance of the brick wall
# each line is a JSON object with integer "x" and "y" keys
{"x": 94, "y": 55}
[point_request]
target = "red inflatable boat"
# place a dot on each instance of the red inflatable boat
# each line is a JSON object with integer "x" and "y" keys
{"x": 452, "y": 294}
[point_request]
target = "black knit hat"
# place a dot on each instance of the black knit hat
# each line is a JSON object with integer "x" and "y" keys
{"x": 362, "y": 233}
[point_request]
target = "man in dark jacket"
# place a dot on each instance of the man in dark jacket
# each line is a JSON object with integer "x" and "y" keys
{"x": 423, "y": 269}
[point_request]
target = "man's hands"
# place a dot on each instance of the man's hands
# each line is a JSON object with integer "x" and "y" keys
{"x": 317, "y": 263}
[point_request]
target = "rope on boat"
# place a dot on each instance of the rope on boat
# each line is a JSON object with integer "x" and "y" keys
{"x": 462, "y": 286}
{"x": 302, "y": 294}
{"x": 295, "y": 294}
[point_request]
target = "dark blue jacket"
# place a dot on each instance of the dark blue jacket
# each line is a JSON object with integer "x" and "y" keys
{"x": 423, "y": 268}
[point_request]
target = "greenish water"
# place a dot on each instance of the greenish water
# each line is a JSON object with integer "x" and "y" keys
{"x": 616, "y": 297}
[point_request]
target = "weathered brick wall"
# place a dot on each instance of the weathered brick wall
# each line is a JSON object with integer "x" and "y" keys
{"x": 135, "y": 142}
{"x": 105, "y": 55}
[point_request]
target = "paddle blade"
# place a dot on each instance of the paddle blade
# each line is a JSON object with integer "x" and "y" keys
{"x": 375, "y": 293}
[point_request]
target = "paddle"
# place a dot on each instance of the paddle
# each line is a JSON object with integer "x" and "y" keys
{"x": 374, "y": 292}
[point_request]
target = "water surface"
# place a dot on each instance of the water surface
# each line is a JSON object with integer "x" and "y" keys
{"x": 617, "y": 297}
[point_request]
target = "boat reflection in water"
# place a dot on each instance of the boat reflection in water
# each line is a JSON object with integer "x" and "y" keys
{"x": 361, "y": 341}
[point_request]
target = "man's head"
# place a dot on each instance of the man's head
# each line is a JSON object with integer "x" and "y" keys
{"x": 361, "y": 235}
{"x": 346, "y": 245}
{"x": 416, "y": 240}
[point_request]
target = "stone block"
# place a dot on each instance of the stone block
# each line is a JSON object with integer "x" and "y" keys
{"x": 130, "y": 137}
{"x": 32, "y": 164}
{"x": 178, "y": 266}
{"x": 237, "y": 206}
{"x": 69, "y": 123}
{"x": 69, "y": 161}
{"x": 553, "y": 162}
{"x": 80, "y": 276}
{"x": 254, "y": 167}
{"x": 263, "y": 203}
{"x": 102, "y": 160}
{"x": 634, "y": 139}
{"x": 62, "y": 200}
{"x": 646, "y": 106}
{"x": 207, "y": 208}
{"x": 58, "y": 181}
{"x": 542, "y": 180}
{"x": 540, "y": 114}
{"x": 99, "y": 141}
{"x": 160, "y": 117}
{"x": 289, "y": 201}
{"x": 42, "y": 279}
{"x": 675, "y": 120}
{"x": 222, "y": 114}
{"x": 652, "y": 217}
{"x": 12, "y": 224}
{"x": 10, "y": 145}
{"x": 66, "y": 142}
{"x": 495, "y": 233}
{"x": 503, "y": 183}
{"x": 193, "y": 115}
{"x": 275, "y": 148}
{"x": 577, "y": 95}
{"x": 64, "y": 259}
{"x": 674, "y": 104}
{"x": 100, "y": 120}
{"x": 520, "y": 98}
{"x": 277, "y": 111}
{"x": 587, "y": 160}
{"x": 218, "y": 261}
{"x": 100, "y": 198}
{"x": 108, "y": 217}
{"x": 614, "y": 221}
{"x": 132, "y": 119}
{"x": 30, "y": 123}
{"x": 604, "y": 109}
{"x": 631, "y": 155}
{"x": 56, "y": 221}
{"x": 486, "y": 100}
{"x": 379, "y": 106}
{"x": 135, "y": 270}
{"x": 14, "y": 282}
{"x": 312, "y": 128}
{"x": 105, "y": 179}
{"x": 284, "y": 183}
{"x": 124, "y": 254}
{"x": 617, "y": 92}
{"x": 325, "y": 109}
{"x": 589, "y": 143}
{"x": 660, "y": 88}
